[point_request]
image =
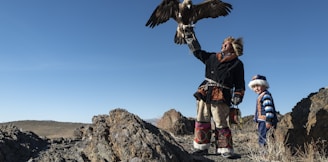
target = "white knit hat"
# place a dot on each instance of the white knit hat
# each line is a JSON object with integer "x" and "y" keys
{"x": 258, "y": 80}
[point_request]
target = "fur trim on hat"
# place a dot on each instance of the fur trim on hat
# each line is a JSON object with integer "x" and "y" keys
{"x": 238, "y": 46}
{"x": 258, "y": 80}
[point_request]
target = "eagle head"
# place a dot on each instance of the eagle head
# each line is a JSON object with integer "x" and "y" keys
{"x": 187, "y": 3}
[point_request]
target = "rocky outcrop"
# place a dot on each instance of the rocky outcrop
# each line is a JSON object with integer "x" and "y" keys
{"x": 16, "y": 145}
{"x": 174, "y": 122}
{"x": 307, "y": 122}
{"x": 119, "y": 136}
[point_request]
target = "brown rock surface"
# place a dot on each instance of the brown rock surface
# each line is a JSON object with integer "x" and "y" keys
{"x": 174, "y": 122}
{"x": 121, "y": 136}
{"x": 307, "y": 122}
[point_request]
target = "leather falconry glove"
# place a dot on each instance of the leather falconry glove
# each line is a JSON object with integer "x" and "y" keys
{"x": 191, "y": 39}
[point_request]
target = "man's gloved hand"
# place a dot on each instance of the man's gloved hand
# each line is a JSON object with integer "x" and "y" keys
{"x": 189, "y": 34}
{"x": 237, "y": 99}
{"x": 191, "y": 39}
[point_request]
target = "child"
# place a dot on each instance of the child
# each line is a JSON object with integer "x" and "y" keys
{"x": 265, "y": 114}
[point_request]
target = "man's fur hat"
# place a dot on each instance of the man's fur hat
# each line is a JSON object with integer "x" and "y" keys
{"x": 237, "y": 44}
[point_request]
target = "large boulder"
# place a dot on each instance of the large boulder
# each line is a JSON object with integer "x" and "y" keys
{"x": 307, "y": 122}
{"x": 174, "y": 122}
{"x": 122, "y": 136}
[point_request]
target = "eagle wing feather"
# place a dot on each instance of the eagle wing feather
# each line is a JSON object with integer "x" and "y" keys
{"x": 211, "y": 9}
{"x": 163, "y": 12}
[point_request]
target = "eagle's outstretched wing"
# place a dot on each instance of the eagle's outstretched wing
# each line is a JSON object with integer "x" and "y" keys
{"x": 211, "y": 9}
{"x": 163, "y": 12}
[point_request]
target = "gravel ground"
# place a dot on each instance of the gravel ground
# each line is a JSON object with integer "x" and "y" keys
{"x": 240, "y": 147}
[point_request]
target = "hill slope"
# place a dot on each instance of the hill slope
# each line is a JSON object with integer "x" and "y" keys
{"x": 49, "y": 129}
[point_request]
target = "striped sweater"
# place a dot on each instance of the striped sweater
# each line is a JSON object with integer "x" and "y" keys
{"x": 265, "y": 109}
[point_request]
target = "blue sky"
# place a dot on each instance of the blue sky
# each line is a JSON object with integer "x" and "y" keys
{"x": 69, "y": 60}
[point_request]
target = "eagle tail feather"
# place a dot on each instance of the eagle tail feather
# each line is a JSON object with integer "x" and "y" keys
{"x": 179, "y": 37}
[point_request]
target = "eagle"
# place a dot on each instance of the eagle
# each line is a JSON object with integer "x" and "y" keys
{"x": 186, "y": 14}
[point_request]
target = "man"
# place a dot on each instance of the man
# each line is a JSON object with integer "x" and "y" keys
{"x": 224, "y": 85}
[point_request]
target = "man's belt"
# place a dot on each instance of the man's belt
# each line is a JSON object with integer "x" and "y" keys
{"x": 212, "y": 83}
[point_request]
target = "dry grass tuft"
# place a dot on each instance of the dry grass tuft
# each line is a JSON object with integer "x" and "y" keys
{"x": 316, "y": 151}
{"x": 277, "y": 151}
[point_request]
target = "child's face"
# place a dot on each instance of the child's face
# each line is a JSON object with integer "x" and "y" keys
{"x": 258, "y": 88}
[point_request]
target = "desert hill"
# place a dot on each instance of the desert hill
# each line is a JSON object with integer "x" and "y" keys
{"x": 49, "y": 129}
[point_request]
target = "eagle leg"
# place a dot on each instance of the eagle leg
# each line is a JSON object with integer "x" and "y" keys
{"x": 184, "y": 27}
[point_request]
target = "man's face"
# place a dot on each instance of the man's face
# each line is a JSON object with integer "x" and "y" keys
{"x": 226, "y": 47}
